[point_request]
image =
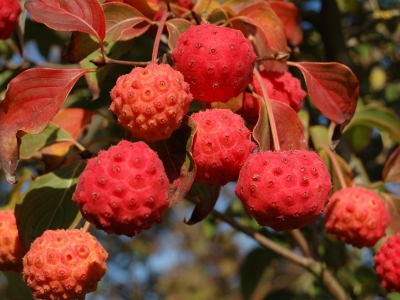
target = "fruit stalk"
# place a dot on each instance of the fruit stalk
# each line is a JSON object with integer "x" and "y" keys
{"x": 158, "y": 36}
{"x": 271, "y": 118}
{"x": 336, "y": 166}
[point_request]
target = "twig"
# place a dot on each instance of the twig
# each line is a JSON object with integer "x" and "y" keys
{"x": 301, "y": 241}
{"x": 315, "y": 267}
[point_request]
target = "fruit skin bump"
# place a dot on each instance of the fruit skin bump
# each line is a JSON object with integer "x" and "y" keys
{"x": 357, "y": 216}
{"x": 9, "y": 15}
{"x": 387, "y": 262}
{"x": 284, "y": 190}
{"x": 216, "y": 61}
{"x": 11, "y": 248}
{"x": 64, "y": 264}
{"x": 280, "y": 86}
{"x": 221, "y": 145}
{"x": 151, "y": 102}
{"x": 123, "y": 190}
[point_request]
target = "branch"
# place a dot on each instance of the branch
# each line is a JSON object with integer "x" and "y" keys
{"x": 317, "y": 268}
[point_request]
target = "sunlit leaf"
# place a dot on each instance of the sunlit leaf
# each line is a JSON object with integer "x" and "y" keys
{"x": 47, "y": 203}
{"x": 269, "y": 27}
{"x": 332, "y": 87}
{"x": 119, "y": 18}
{"x": 205, "y": 198}
{"x": 382, "y": 118}
{"x": 175, "y": 28}
{"x": 391, "y": 171}
{"x": 32, "y": 99}
{"x": 33, "y": 143}
{"x": 72, "y": 15}
{"x": 319, "y": 136}
{"x": 176, "y": 155}
{"x": 290, "y": 17}
{"x": 141, "y": 5}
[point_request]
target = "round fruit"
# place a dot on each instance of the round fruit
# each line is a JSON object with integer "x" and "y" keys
{"x": 123, "y": 190}
{"x": 221, "y": 145}
{"x": 64, "y": 264}
{"x": 387, "y": 262}
{"x": 357, "y": 216}
{"x": 151, "y": 102}
{"x": 216, "y": 61}
{"x": 284, "y": 190}
{"x": 11, "y": 248}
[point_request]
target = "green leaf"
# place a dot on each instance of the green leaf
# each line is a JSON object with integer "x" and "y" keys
{"x": 33, "y": 143}
{"x": 206, "y": 197}
{"x": 358, "y": 137}
{"x": 319, "y": 136}
{"x": 382, "y": 118}
{"x": 17, "y": 288}
{"x": 47, "y": 203}
{"x": 176, "y": 155}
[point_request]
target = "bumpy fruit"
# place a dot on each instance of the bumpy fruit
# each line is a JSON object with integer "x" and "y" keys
{"x": 9, "y": 14}
{"x": 64, "y": 264}
{"x": 123, "y": 190}
{"x": 284, "y": 190}
{"x": 151, "y": 102}
{"x": 280, "y": 86}
{"x": 216, "y": 61}
{"x": 357, "y": 216}
{"x": 221, "y": 145}
{"x": 387, "y": 261}
{"x": 11, "y": 248}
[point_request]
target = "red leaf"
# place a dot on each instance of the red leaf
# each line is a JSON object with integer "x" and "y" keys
{"x": 32, "y": 99}
{"x": 269, "y": 28}
{"x": 289, "y": 127}
{"x": 332, "y": 87}
{"x": 72, "y": 15}
{"x": 290, "y": 17}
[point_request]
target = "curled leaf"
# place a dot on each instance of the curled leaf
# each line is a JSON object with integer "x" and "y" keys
{"x": 333, "y": 88}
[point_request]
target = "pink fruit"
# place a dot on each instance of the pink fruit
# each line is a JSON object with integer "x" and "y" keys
{"x": 216, "y": 61}
{"x": 221, "y": 145}
{"x": 11, "y": 248}
{"x": 123, "y": 190}
{"x": 9, "y": 14}
{"x": 64, "y": 264}
{"x": 280, "y": 86}
{"x": 357, "y": 216}
{"x": 284, "y": 190}
{"x": 151, "y": 102}
{"x": 387, "y": 261}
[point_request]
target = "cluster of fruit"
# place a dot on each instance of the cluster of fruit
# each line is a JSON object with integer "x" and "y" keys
{"x": 125, "y": 189}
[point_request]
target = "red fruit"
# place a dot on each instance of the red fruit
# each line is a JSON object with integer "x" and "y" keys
{"x": 151, "y": 102}
{"x": 280, "y": 86}
{"x": 216, "y": 61}
{"x": 9, "y": 14}
{"x": 284, "y": 190}
{"x": 221, "y": 145}
{"x": 387, "y": 264}
{"x": 64, "y": 264}
{"x": 123, "y": 190}
{"x": 356, "y": 216}
{"x": 11, "y": 247}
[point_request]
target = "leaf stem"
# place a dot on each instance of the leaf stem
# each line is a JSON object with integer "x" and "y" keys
{"x": 336, "y": 166}
{"x": 317, "y": 268}
{"x": 271, "y": 118}
{"x": 158, "y": 36}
